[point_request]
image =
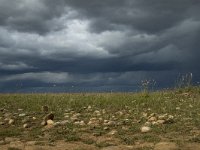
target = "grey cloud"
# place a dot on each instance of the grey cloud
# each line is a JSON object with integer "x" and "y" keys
{"x": 31, "y": 16}
{"x": 62, "y": 81}
{"x": 148, "y": 16}
{"x": 91, "y": 42}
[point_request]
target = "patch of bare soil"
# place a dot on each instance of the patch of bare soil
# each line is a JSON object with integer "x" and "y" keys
{"x": 62, "y": 145}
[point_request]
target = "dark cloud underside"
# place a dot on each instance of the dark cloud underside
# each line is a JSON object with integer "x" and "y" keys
{"x": 97, "y": 45}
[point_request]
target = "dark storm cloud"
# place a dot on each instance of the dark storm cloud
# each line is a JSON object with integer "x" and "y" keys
{"x": 148, "y": 16}
{"x": 31, "y": 16}
{"x": 92, "y": 43}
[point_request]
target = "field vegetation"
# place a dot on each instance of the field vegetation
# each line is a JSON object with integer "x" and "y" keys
{"x": 144, "y": 120}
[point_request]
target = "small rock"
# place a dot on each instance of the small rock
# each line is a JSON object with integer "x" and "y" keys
{"x": 89, "y": 107}
{"x": 2, "y": 123}
{"x": 22, "y": 115}
{"x": 160, "y": 121}
{"x": 82, "y": 123}
{"x": 100, "y": 119}
{"x": 77, "y": 115}
{"x": 106, "y": 121}
{"x": 147, "y": 123}
{"x": 20, "y": 109}
{"x": 145, "y": 129}
{"x": 96, "y": 112}
{"x": 74, "y": 118}
{"x": 162, "y": 117}
{"x": 144, "y": 115}
{"x": 113, "y": 132}
{"x": 34, "y": 118}
{"x": 64, "y": 122}
{"x": 106, "y": 128}
{"x": 120, "y": 113}
{"x": 50, "y": 122}
{"x": 151, "y": 119}
{"x": 125, "y": 121}
{"x": 170, "y": 119}
{"x": 43, "y": 123}
{"x": 110, "y": 123}
{"x": 125, "y": 128}
{"x": 15, "y": 114}
{"x": 26, "y": 125}
{"x": 2, "y": 142}
{"x": 6, "y": 119}
{"x": 93, "y": 123}
{"x": 11, "y": 121}
{"x": 66, "y": 116}
{"x": 57, "y": 124}
{"x": 152, "y": 115}
{"x": 154, "y": 123}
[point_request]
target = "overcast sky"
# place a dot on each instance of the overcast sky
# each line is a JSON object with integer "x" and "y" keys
{"x": 97, "y": 45}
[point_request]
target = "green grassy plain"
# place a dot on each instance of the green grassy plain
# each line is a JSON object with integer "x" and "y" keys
{"x": 127, "y": 113}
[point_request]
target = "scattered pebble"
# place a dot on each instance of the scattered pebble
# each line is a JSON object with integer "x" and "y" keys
{"x": 151, "y": 119}
{"x": 50, "y": 122}
{"x": 2, "y": 142}
{"x": 11, "y": 121}
{"x": 43, "y": 123}
{"x": 2, "y": 123}
{"x": 57, "y": 124}
{"x": 160, "y": 121}
{"x": 64, "y": 122}
{"x": 80, "y": 123}
{"x": 163, "y": 117}
{"x": 106, "y": 128}
{"x": 93, "y": 122}
{"x": 22, "y": 115}
{"x": 74, "y": 118}
{"x": 26, "y": 125}
{"x": 145, "y": 129}
{"x": 113, "y": 132}
{"x": 147, "y": 123}
{"x": 125, "y": 128}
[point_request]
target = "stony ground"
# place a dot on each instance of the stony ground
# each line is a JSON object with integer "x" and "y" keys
{"x": 167, "y": 120}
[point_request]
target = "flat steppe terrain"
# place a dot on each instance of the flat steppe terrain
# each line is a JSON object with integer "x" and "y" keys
{"x": 164, "y": 120}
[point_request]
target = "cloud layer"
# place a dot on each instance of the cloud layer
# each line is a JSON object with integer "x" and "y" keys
{"x": 111, "y": 44}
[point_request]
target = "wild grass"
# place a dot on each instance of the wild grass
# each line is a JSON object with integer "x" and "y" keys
{"x": 183, "y": 104}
